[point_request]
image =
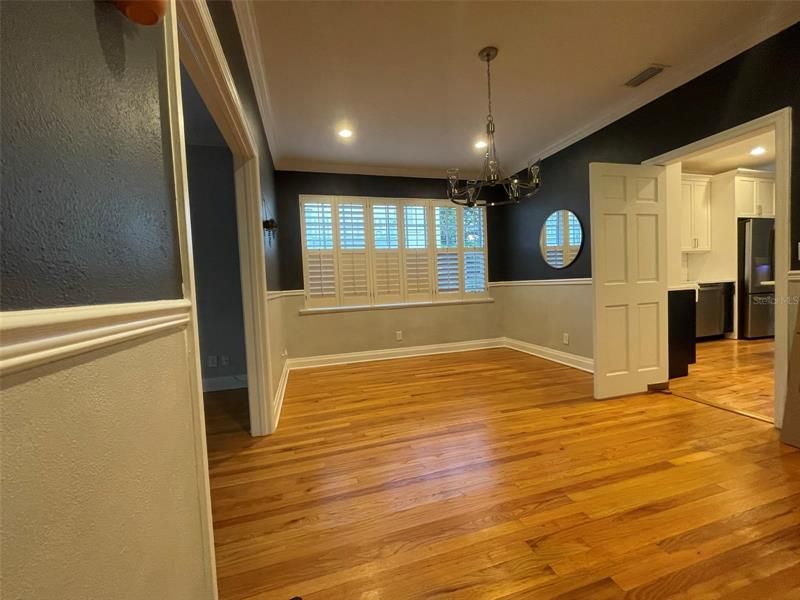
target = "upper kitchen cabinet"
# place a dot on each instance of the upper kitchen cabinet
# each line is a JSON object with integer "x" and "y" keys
{"x": 754, "y": 192}
{"x": 695, "y": 213}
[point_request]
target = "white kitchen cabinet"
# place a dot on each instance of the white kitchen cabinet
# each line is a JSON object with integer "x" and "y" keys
{"x": 754, "y": 193}
{"x": 695, "y": 213}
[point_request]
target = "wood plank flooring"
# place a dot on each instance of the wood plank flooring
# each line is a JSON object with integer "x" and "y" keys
{"x": 493, "y": 474}
{"x": 733, "y": 373}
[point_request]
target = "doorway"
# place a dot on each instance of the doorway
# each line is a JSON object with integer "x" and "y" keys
{"x": 724, "y": 241}
{"x": 202, "y": 57}
{"x": 759, "y": 205}
{"x": 631, "y": 273}
{"x": 220, "y": 314}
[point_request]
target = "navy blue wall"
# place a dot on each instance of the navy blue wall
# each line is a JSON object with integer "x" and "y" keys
{"x": 759, "y": 81}
{"x": 88, "y": 211}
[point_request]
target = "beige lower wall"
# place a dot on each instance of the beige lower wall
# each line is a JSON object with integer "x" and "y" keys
{"x": 364, "y": 330}
{"x": 536, "y": 314}
{"x": 99, "y": 480}
{"x": 541, "y": 314}
{"x": 277, "y": 339}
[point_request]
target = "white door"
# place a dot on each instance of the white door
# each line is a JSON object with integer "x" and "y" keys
{"x": 629, "y": 273}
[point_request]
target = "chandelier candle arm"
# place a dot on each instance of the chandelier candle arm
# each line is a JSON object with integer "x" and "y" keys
{"x": 516, "y": 187}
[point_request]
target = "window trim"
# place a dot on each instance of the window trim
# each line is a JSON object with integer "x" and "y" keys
{"x": 335, "y": 303}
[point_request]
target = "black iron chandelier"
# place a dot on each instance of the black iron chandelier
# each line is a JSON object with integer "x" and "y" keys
{"x": 516, "y": 187}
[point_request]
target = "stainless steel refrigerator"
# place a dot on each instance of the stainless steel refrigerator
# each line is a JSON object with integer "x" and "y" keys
{"x": 756, "y": 288}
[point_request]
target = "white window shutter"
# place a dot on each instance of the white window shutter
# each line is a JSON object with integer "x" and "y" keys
{"x": 352, "y": 260}
{"x": 318, "y": 252}
{"x": 446, "y": 219}
{"x": 474, "y": 244}
{"x": 416, "y": 244}
{"x": 386, "y": 258}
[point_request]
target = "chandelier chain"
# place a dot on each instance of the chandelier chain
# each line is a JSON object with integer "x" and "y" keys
{"x": 515, "y": 187}
{"x": 489, "y": 85}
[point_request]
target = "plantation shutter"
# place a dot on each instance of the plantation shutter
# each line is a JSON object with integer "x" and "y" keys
{"x": 417, "y": 253}
{"x": 352, "y": 254}
{"x": 575, "y": 237}
{"x": 448, "y": 277}
{"x": 386, "y": 257}
{"x": 475, "y": 281}
{"x": 318, "y": 248}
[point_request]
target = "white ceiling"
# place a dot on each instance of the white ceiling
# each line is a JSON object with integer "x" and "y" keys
{"x": 735, "y": 155}
{"x": 405, "y": 76}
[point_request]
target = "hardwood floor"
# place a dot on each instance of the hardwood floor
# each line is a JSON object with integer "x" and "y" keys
{"x": 493, "y": 474}
{"x": 733, "y": 373}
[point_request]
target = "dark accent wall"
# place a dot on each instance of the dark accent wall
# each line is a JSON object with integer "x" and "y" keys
{"x": 212, "y": 200}
{"x": 88, "y": 211}
{"x": 228, "y": 31}
{"x": 759, "y": 81}
{"x": 290, "y": 184}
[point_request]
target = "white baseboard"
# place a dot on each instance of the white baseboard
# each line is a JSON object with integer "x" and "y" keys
{"x": 370, "y": 355}
{"x": 565, "y": 358}
{"x": 224, "y": 382}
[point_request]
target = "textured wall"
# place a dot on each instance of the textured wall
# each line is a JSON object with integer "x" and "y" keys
{"x": 228, "y": 31}
{"x": 88, "y": 213}
{"x": 212, "y": 200}
{"x": 757, "y": 82}
{"x": 90, "y": 508}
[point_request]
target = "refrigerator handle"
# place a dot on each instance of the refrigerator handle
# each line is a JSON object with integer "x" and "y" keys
{"x": 748, "y": 255}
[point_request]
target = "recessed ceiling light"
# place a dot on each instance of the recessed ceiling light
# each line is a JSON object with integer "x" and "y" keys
{"x": 758, "y": 151}
{"x": 481, "y": 144}
{"x": 345, "y": 133}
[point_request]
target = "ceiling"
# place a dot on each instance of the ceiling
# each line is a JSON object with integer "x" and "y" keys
{"x": 735, "y": 155}
{"x": 405, "y": 76}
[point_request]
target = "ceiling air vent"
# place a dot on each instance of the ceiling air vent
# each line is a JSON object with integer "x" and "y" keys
{"x": 645, "y": 75}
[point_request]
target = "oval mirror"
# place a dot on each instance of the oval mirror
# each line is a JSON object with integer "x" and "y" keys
{"x": 561, "y": 239}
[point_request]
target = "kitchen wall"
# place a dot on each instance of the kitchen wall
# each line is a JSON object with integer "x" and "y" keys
{"x": 103, "y": 482}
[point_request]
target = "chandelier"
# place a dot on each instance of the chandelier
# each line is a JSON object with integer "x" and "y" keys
{"x": 516, "y": 187}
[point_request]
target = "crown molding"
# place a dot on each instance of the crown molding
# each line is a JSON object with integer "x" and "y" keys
{"x": 253, "y": 48}
{"x": 312, "y": 166}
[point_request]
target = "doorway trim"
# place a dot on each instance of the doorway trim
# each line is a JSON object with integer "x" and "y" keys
{"x": 781, "y": 122}
{"x": 201, "y": 53}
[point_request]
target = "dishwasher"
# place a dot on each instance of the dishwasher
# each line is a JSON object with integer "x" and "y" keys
{"x": 714, "y": 316}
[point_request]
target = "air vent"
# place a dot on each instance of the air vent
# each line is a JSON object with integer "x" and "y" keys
{"x": 645, "y": 75}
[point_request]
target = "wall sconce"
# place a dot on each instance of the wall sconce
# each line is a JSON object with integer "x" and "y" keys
{"x": 143, "y": 12}
{"x": 271, "y": 227}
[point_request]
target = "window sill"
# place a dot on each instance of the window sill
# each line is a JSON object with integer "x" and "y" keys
{"x": 339, "y": 309}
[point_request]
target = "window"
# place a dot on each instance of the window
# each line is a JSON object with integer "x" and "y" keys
{"x": 391, "y": 251}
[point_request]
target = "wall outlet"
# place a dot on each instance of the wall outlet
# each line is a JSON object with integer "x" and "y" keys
{"x": 284, "y": 353}
{"x": 211, "y": 361}
{"x": 565, "y": 338}
{"x": 398, "y": 335}
{"x": 224, "y": 360}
